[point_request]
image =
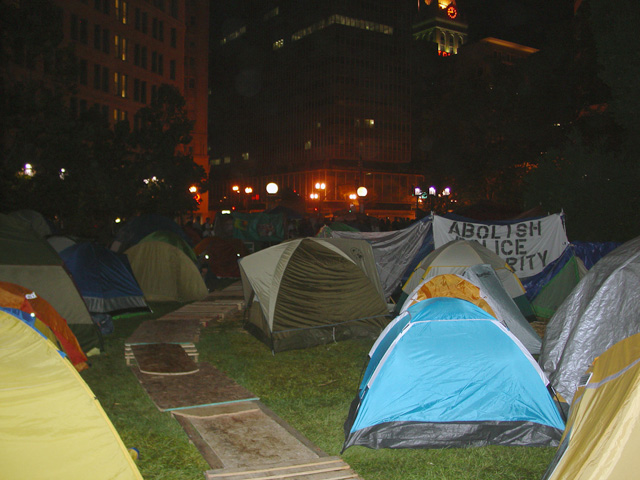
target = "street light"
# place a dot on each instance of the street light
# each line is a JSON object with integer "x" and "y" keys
{"x": 362, "y": 192}
{"x": 272, "y": 188}
{"x": 432, "y": 193}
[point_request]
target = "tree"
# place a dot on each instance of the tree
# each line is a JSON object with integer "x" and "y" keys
{"x": 164, "y": 167}
{"x": 485, "y": 128}
{"x": 594, "y": 175}
{"x": 83, "y": 172}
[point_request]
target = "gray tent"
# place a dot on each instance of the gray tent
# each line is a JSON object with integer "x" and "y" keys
{"x": 602, "y": 309}
{"x": 310, "y": 291}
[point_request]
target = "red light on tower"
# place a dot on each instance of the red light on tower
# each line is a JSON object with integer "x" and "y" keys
{"x": 452, "y": 12}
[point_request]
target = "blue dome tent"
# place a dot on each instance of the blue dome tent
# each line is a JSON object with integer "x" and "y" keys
{"x": 104, "y": 279}
{"x": 445, "y": 373}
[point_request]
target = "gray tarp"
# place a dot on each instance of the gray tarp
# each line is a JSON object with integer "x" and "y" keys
{"x": 603, "y": 309}
{"x": 393, "y": 251}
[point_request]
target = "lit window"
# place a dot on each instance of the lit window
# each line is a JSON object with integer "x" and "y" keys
{"x": 307, "y": 145}
{"x": 121, "y": 10}
{"x": 215, "y": 161}
{"x": 369, "y": 122}
{"x": 120, "y": 44}
{"x": 245, "y": 156}
{"x": 227, "y": 159}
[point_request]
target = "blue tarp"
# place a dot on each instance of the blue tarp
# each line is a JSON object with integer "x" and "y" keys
{"x": 446, "y": 374}
{"x": 588, "y": 252}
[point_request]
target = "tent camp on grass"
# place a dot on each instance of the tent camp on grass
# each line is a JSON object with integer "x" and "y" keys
{"x": 457, "y": 256}
{"x": 312, "y": 291}
{"x": 104, "y": 278}
{"x": 602, "y": 309}
{"x": 481, "y": 286}
{"x": 52, "y": 424}
{"x": 445, "y": 374}
{"x": 28, "y": 260}
{"x": 602, "y": 436}
{"x": 166, "y": 268}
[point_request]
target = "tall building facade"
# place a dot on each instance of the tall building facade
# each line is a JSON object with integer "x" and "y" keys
{"x": 316, "y": 97}
{"x": 126, "y": 49}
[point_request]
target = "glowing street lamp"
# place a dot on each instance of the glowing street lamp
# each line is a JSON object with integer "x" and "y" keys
{"x": 193, "y": 190}
{"x": 272, "y": 188}
{"x": 28, "y": 170}
{"x": 361, "y": 192}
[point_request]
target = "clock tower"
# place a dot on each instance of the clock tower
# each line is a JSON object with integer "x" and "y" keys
{"x": 440, "y": 22}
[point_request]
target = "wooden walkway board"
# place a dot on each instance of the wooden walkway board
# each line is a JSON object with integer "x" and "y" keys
{"x": 323, "y": 468}
{"x": 189, "y": 349}
{"x": 163, "y": 359}
{"x": 207, "y": 386}
{"x": 165, "y": 330}
{"x": 204, "y": 312}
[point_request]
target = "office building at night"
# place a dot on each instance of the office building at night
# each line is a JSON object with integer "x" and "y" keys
{"x": 316, "y": 99}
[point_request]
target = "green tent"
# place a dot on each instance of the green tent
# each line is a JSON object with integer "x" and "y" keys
{"x": 552, "y": 294}
{"x": 166, "y": 268}
{"x": 28, "y": 260}
{"x": 311, "y": 291}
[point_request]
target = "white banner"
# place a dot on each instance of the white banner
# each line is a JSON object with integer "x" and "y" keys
{"x": 527, "y": 246}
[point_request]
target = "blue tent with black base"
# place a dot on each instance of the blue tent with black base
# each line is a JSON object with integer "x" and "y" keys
{"x": 104, "y": 279}
{"x": 445, "y": 373}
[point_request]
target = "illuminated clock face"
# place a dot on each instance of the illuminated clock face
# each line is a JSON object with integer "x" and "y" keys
{"x": 452, "y": 11}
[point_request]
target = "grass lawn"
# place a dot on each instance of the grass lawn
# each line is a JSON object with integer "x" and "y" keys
{"x": 311, "y": 389}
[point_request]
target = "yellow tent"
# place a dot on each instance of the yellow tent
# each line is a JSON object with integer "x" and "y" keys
{"x": 602, "y": 437}
{"x": 52, "y": 426}
{"x": 166, "y": 269}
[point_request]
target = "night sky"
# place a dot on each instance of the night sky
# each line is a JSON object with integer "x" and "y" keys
{"x": 520, "y": 21}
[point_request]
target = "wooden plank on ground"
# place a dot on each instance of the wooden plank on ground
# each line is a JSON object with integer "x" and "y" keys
{"x": 165, "y": 330}
{"x": 204, "y": 312}
{"x": 189, "y": 349}
{"x": 163, "y": 359}
{"x": 208, "y": 386}
{"x": 323, "y": 468}
{"x": 247, "y": 437}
